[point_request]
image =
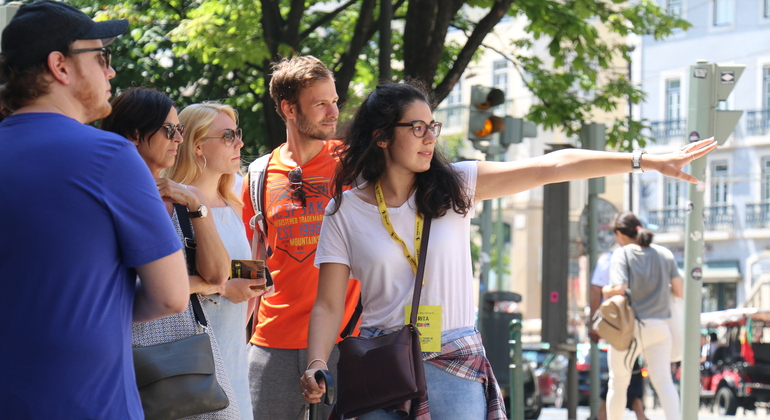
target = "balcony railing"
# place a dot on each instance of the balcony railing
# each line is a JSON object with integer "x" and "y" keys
{"x": 669, "y": 131}
{"x": 668, "y": 220}
{"x": 758, "y": 122}
{"x": 718, "y": 217}
{"x": 758, "y": 216}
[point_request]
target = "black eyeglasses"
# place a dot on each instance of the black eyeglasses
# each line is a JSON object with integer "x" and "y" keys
{"x": 229, "y": 136}
{"x": 298, "y": 198}
{"x": 106, "y": 57}
{"x": 420, "y": 128}
{"x": 171, "y": 130}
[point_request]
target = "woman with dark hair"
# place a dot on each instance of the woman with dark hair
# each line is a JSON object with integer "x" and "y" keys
{"x": 398, "y": 177}
{"x": 149, "y": 119}
{"x": 648, "y": 272}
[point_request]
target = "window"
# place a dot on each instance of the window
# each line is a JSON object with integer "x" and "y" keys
{"x": 673, "y": 100}
{"x": 500, "y": 75}
{"x": 723, "y": 12}
{"x": 674, "y": 193}
{"x": 675, "y": 7}
{"x": 765, "y": 179}
{"x": 456, "y": 95}
{"x": 719, "y": 187}
{"x": 453, "y": 117}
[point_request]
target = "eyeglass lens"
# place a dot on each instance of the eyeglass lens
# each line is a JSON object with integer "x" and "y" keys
{"x": 298, "y": 198}
{"x": 421, "y": 129}
{"x": 171, "y": 129}
{"x": 105, "y": 58}
{"x": 230, "y": 136}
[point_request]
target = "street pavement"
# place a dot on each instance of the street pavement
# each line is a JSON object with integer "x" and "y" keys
{"x": 550, "y": 413}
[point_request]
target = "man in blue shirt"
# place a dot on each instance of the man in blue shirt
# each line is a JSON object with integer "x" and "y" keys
{"x": 81, "y": 218}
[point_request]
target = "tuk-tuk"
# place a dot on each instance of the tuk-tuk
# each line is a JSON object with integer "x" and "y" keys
{"x": 737, "y": 374}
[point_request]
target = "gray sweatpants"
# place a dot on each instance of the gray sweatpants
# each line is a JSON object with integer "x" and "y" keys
{"x": 274, "y": 382}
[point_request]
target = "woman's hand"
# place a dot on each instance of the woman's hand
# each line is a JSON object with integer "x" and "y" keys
{"x": 177, "y": 193}
{"x": 240, "y": 290}
{"x": 312, "y": 391}
{"x": 671, "y": 164}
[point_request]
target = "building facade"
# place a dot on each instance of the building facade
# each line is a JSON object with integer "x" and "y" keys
{"x": 737, "y": 188}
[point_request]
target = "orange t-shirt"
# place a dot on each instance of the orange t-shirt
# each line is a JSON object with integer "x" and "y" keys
{"x": 293, "y": 236}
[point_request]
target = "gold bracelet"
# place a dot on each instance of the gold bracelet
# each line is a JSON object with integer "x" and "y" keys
{"x": 317, "y": 360}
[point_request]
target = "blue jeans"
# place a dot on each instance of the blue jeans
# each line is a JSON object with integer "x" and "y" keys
{"x": 450, "y": 397}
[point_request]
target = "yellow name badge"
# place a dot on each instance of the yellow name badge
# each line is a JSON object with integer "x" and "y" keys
{"x": 429, "y": 325}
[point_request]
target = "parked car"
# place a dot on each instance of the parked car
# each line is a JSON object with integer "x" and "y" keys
{"x": 552, "y": 376}
{"x": 739, "y": 374}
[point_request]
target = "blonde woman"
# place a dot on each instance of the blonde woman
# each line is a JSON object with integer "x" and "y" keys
{"x": 208, "y": 159}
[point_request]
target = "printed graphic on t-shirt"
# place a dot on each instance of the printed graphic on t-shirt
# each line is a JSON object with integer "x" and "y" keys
{"x": 297, "y": 229}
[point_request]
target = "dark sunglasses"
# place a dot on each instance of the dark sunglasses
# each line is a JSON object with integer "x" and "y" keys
{"x": 171, "y": 130}
{"x": 106, "y": 56}
{"x": 229, "y": 136}
{"x": 298, "y": 198}
{"x": 420, "y": 128}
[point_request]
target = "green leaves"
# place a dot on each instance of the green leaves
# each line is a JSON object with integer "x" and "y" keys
{"x": 573, "y": 58}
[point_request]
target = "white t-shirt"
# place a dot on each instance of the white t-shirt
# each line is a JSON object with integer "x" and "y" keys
{"x": 356, "y": 237}
{"x": 601, "y": 276}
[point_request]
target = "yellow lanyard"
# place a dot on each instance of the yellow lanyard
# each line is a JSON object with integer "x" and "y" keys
{"x": 389, "y": 226}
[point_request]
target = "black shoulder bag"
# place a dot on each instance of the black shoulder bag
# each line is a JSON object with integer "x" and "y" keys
{"x": 178, "y": 379}
{"x": 387, "y": 370}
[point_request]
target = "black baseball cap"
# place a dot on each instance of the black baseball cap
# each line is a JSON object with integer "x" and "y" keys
{"x": 42, "y": 27}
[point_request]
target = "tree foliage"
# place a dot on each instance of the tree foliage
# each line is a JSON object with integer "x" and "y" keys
{"x": 197, "y": 50}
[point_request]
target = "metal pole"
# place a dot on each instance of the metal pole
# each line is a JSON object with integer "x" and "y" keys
{"x": 593, "y": 137}
{"x": 699, "y": 125}
{"x": 516, "y": 409}
{"x": 693, "y": 253}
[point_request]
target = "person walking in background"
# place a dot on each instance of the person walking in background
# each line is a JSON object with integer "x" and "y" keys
{"x": 649, "y": 272}
{"x": 81, "y": 218}
{"x": 397, "y": 177}
{"x": 635, "y": 391}
{"x": 208, "y": 160}
{"x": 149, "y": 119}
{"x": 295, "y": 191}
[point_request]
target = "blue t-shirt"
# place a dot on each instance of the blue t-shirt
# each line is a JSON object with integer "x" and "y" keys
{"x": 78, "y": 209}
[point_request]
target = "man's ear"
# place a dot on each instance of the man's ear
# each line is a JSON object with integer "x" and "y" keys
{"x": 59, "y": 67}
{"x": 289, "y": 109}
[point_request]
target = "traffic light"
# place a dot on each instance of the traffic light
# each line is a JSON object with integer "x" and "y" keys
{"x": 709, "y": 84}
{"x": 482, "y": 123}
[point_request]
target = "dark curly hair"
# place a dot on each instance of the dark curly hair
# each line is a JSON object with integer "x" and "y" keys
{"x": 439, "y": 189}
{"x": 20, "y": 88}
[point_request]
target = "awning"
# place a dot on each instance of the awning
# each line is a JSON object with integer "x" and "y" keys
{"x": 718, "y": 271}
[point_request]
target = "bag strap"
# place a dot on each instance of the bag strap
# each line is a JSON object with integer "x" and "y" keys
{"x": 417, "y": 285}
{"x": 420, "y": 270}
{"x": 189, "y": 249}
{"x": 257, "y": 180}
{"x": 200, "y": 316}
{"x": 189, "y": 238}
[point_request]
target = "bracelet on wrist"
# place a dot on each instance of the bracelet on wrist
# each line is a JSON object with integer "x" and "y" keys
{"x": 317, "y": 360}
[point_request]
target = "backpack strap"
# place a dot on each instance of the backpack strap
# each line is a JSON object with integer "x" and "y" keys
{"x": 260, "y": 250}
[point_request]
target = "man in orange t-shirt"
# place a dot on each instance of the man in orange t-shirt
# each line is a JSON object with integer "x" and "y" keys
{"x": 296, "y": 191}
